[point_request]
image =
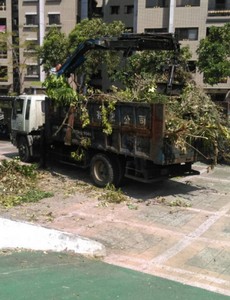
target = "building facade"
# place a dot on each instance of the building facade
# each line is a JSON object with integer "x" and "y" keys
{"x": 189, "y": 19}
{"x": 30, "y": 20}
{"x": 26, "y": 22}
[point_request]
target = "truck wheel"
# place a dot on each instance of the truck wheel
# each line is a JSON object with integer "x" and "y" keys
{"x": 103, "y": 171}
{"x": 24, "y": 150}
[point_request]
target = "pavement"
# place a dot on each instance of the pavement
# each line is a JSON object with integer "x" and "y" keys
{"x": 171, "y": 242}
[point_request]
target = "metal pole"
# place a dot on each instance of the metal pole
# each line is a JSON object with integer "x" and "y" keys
{"x": 41, "y": 33}
{"x": 171, "y": 16}
{"x": 135, "y": 14}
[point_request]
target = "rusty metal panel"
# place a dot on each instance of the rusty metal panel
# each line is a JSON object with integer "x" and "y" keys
{"x": 137, "y": 131}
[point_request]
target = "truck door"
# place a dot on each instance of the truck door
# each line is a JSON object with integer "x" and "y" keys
{"x": 18, "y": 112}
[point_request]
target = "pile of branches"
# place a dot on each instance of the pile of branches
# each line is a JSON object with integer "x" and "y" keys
{"x": 192, "y": 118}
{"x": 18, "y": 183}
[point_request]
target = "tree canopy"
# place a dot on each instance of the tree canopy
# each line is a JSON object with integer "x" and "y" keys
{"x": 93, "y": 29}
{"x": 57, "y": 46}
{"x": 214, "y": 53}
{"x": 54, "y": 49}
{"x": 155, "y": 64}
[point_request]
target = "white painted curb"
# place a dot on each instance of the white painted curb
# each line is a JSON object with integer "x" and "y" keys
{"x": 27, "y": 236}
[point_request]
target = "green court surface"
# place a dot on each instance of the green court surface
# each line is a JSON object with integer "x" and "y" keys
{"x": 54, "y": 276}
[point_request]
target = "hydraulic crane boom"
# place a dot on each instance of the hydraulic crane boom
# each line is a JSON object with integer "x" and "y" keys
{"x": 126, "y": 42}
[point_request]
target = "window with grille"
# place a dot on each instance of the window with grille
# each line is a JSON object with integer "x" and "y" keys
{"x": 129, "y": 9}
{"x": 31, "y": 19}
{"x": 187, "y": 3}
{"x": 114, "y": 9}
{"x": 221, "y": 4}
{"x": 3, "y": 50}
{"x": 31, "y": 45}
{"x": 3, "y": 5}
{"x": 156, "y": 3}
{"x": 190, "y": 34}
{"x": 3, "y": 74}
{"x": 54, "y": 19}
{"x": 32, "y": 70}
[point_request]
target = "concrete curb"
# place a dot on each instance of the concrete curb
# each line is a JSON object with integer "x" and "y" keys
{"x": 27, "y": 236}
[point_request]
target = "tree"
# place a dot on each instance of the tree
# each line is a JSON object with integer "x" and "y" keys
{"x": 155, "y": 64}
{"x": 54, "y": 49}
{"x": 9, "y": 41}
{"x": 214, "y": 53}
{"x": 93, "y": 29}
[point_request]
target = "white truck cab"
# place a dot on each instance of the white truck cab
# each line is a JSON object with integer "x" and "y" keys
{"x": 28, "y": 115}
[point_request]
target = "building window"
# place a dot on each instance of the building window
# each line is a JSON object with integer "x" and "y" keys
{"x": 114, "y": 9}
{"x": 98, "y": 12}
{"x": 32, "y": 70}
{"x": 3, "y": 5}
{"x": 3, "y": 50}
{"x": 221, "y": 4}
{"x": 156, "y": 30}
{"x": 190, "y": 34}
{"x": 3, "y": 74}
{"x": 2, "y": 25}
{"x": 129, "y": 9}
{"x": 192, "y": 66}
{"x": 31, "y": 19}
{"x": 156, "y": 3}
{"x": 54, "y": 19}
{"x": 31, "y": 45}
{"x": 182, "y": 3}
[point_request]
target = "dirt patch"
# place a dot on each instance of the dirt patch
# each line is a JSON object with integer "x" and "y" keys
{"x": 68, "y": 190}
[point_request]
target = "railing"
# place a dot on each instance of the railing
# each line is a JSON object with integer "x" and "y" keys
{"x": 219, "y": 13}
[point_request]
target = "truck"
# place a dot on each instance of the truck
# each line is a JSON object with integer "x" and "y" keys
{"x": 137, "y": 147}
{"x": 5, "y": 116}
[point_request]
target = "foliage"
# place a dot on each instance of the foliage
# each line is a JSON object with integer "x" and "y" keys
{"x": 143, "y": 89}
{"x": 107, "y": 110}
{"x": 54, "y": 49}
{"x": 112, "y": 195}
{"x": 18, "y": 183}
{"x": 59, "y": 90}
{"x": 93, "y": 29}
{"x": 156, "y": 64}
{"x": 214, "y": 53}
{"x": 9, "y": 41}
{"x": 194, "y": 119}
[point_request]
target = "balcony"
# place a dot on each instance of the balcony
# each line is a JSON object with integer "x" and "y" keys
{"x": 219, "y": 15}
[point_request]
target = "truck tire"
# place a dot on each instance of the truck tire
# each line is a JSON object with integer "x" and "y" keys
{"x": 103, "y": 171}
{"x": 24, "y": 150}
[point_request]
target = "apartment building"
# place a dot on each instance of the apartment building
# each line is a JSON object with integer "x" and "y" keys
{"x": 189, "y": 19}
{"x": 29, "y": 20}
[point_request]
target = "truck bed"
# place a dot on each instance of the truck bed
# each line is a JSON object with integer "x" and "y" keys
{"x": 137, "y": 131}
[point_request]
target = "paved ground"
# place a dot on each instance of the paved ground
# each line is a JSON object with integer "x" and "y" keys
{"x": 179, "y": 229}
